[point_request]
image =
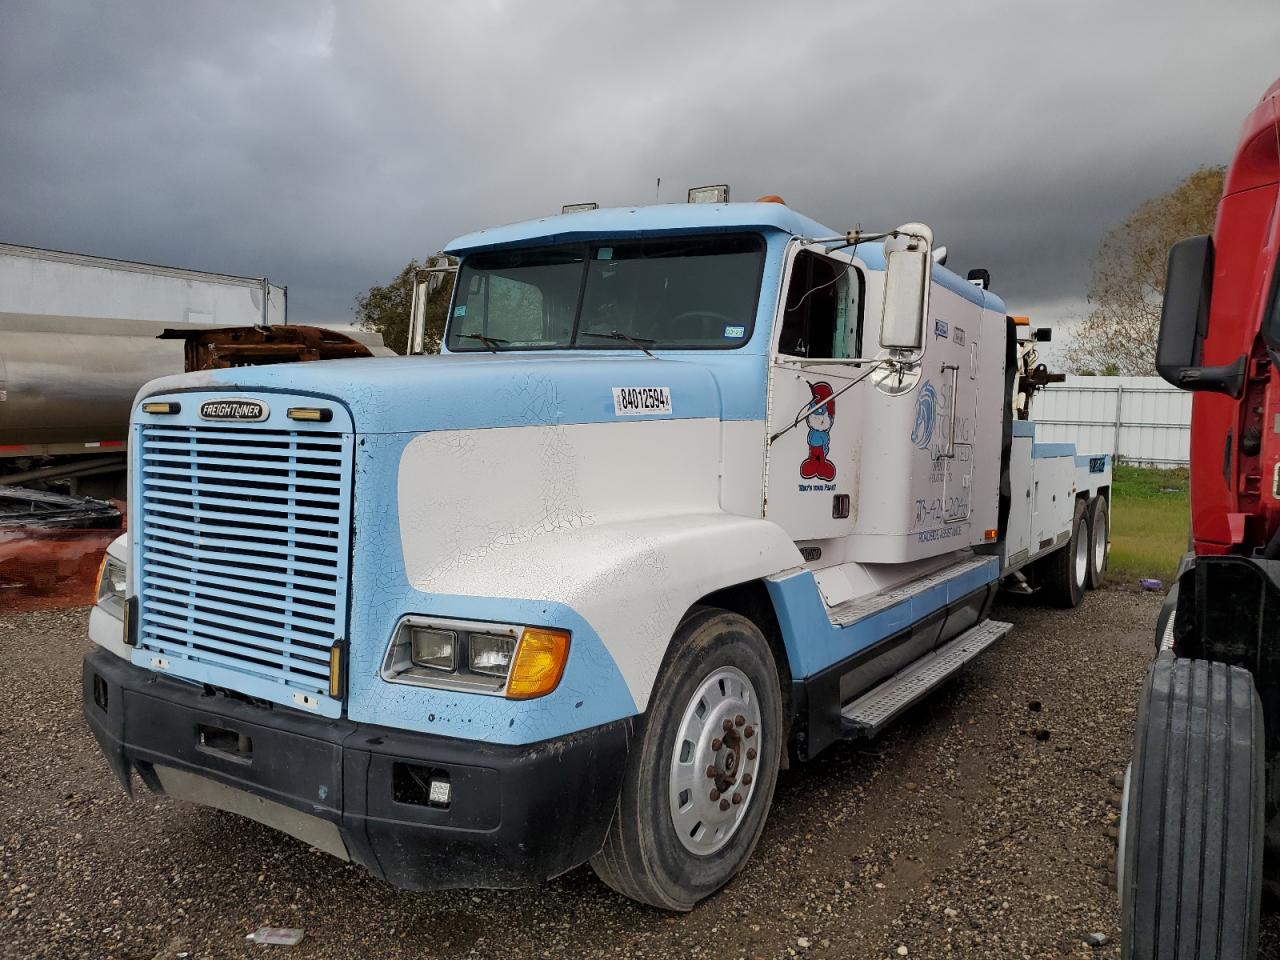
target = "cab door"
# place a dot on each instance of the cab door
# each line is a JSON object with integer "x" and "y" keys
{"x": 814, "y": 430}
{"x": 955, "y": 347}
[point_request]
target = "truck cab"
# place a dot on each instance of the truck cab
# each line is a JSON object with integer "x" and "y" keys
{"x": 1201, "y": 807}
{"x": 689, "y": 491}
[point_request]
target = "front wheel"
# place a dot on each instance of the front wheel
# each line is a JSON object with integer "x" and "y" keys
{"x": 700, "y": 779}
{"x": 1190, "y": 857}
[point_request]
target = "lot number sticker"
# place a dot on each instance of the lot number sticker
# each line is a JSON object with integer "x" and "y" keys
{"x": 637, "y": 401}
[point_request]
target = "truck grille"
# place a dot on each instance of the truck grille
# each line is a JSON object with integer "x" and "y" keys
{"x": 243, "y": 544}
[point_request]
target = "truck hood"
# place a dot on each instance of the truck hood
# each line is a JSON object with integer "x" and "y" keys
{"x": 454, "y": 392}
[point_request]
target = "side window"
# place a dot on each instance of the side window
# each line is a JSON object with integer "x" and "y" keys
{"x": 823, "y": 314}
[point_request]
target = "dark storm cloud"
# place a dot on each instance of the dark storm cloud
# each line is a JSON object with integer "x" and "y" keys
{"x": 325, "y": 145}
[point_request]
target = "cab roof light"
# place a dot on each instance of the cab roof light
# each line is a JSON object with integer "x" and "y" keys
{"x": 167, "y": 408}
{"x": 716, "y": 193}
{"x": 579, "y": 207}
{"x": 314, "y": 414}
{"x": 1022, "y": 321}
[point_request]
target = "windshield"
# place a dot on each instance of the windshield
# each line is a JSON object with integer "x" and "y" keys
{"x": 662, "y": 293}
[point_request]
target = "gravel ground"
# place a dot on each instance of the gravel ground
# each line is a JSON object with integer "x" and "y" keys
{"x": 977, "y": 827}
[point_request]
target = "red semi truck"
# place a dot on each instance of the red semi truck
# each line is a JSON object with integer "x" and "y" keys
{"x": 1200, "y": 822}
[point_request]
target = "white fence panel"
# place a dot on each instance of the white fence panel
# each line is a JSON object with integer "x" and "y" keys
{"x": 1140, "y": 420}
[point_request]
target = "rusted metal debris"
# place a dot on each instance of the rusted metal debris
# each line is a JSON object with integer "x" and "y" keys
{"x": 222, "y": 347}
{"x": 50, "y": 547}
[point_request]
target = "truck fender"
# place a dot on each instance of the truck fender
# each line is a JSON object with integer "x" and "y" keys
{"x": 631, "y": 580}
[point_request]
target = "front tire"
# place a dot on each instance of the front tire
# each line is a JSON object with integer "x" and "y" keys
{"x": 700, "y": 778}
{"x": 1190, "y": 869}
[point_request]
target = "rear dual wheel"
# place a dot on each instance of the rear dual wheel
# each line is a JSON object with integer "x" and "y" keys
{"x": 1079, "y": 564}
{"x": 1099, "y": 513}
{"x": 1066, "y": 570}
{"x": 702, "y": 769}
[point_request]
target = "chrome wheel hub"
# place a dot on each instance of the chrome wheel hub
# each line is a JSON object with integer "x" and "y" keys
{"x": 715, "y": 760}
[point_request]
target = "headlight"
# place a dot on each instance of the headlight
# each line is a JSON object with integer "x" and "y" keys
{"x": 111, "y": 586}
{"x": 490, "y": 654}
{"x": 432, "y": 648}
{"x": 507, "y": 660}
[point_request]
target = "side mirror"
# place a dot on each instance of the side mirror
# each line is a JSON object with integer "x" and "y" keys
{"x": 1184, "y": 323}
{"x": 908, "y": 273}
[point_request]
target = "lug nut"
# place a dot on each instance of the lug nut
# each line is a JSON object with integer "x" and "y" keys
{"x": 712, "y": 772}
{"x": 715, "y": 794}
{"x": 749, "y": 732}
{"x": 724, "y": 804}
{"x": 751, "y": 753}
{"x": 728, "y": 724}
{"x": 739, "y": 720}
{"x": 737, "y": 798}
{"x": 746, "y": 779}
{"x": 716, "y": 744}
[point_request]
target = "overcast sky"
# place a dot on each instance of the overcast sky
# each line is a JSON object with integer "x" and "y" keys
{"x": 324, "y": 145}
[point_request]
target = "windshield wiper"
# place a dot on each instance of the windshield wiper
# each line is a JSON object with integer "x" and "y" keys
{"x": 490, "y": 342}
{"x": 637, "y": 342}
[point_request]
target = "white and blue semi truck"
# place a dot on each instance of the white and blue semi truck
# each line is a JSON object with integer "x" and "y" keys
{"x": 692, "y": 490}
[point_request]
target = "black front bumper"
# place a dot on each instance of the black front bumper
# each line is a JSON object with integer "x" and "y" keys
{"x": 517, "y": 815}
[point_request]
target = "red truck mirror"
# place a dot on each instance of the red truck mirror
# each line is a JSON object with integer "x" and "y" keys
{"x": 1184, "y": 323}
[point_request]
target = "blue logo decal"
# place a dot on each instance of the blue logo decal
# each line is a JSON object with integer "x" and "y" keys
{"x": 926, "y": 414}
{"x": 940, "y": 329}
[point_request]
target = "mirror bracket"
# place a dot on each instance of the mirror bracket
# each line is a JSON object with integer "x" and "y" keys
{"x": 1228, "y": 379}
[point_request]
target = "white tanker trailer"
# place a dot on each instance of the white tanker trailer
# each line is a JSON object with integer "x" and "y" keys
{"x": 80, "y": 335}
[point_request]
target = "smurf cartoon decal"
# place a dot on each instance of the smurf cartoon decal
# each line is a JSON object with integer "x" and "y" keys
{"x": 819, "y": 419}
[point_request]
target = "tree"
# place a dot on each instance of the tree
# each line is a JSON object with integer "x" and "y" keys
{"x": 385, "y": 310}
{"x": 1129, "y": 272}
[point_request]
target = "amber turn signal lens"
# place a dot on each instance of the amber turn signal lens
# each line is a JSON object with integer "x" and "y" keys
{"x": 335, "y": 671}
{"x": 539, "y": 663}
{"x": 168, "y": 408}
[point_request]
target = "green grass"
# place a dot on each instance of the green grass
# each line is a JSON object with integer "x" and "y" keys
{"x": 1149, "y": 518}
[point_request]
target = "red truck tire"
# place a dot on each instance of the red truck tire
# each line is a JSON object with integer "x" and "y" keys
{"x": 1190, "y": 858}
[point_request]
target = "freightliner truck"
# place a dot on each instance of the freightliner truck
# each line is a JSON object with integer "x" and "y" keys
{"x": 693, "y": 490}
{"x": 1201, "y": 806}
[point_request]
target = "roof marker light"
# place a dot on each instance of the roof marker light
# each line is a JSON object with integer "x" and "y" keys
{"x": 579, "y": 207}
{"x": 716, "y": 193}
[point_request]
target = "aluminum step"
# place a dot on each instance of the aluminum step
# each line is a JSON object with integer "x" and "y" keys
{"x": 871, "y": 712}
{"x": 858, "y": 608}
